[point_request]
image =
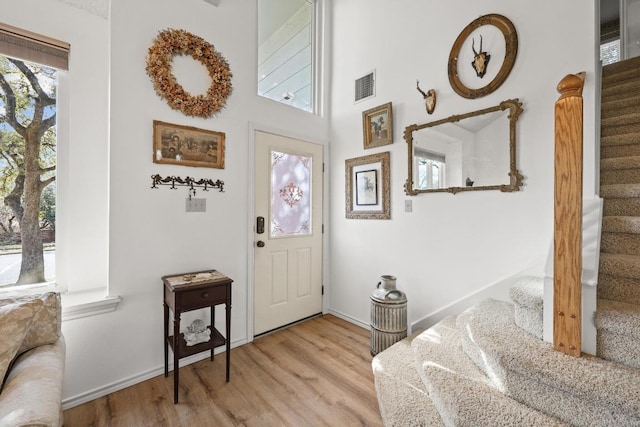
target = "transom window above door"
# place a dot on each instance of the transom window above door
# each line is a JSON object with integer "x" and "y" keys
{"x": 286, "y": 52}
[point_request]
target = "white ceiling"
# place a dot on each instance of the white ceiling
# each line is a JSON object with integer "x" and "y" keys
{"x": 97, "y": 7}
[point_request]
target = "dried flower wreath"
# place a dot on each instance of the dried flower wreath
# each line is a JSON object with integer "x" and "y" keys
{"x": 172, "y": 42}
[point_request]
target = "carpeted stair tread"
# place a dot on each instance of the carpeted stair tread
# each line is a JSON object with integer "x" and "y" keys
{"x": 585, "y": 391}
{"x": 527, "y": 294}
{"x": 441, "y": 344}
{"x": 621, "y": 119}
{"x": 621, "y": 77}
{"x": 621, "y": 199}
{"x": 461, "y": 392}
{"x": 607, "y": 152}
{"x": 625, "y": 289}
{"x": 632, "y": 128}
{"x": 620, "y": 243}
{"x": 623, "y": 67}
{"x": 619, "y": 139}
{"x": 621, "y": 224}
{"x": 622, "y": 265}
{"x": 613, "y": 111}
{"x": 619, "y": 317}
{"x": 616, "y": 163}
{"x": 620, "y": 176}
{"x": 620, "y": 191}
{"x": 617, "y": 105}
{"x": 621, "y": 207}
{"x": 616, "y": 79}
{"x": 624, "y": 88}
{"x": 402, "y": 396}
{"x": 612, "y": 94}
{"x": 618, "y": 326}
{"x": 620, "y": 170}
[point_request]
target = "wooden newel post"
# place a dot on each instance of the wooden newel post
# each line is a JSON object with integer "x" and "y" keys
{"x": 567, "y": 247}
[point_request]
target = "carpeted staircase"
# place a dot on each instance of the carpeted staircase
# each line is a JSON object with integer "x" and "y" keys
{"x": 618, "y": 314}
{"x": 488, "y": 366}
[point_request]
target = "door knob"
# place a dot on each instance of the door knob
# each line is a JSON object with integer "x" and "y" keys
{"x": 260, "y": 244}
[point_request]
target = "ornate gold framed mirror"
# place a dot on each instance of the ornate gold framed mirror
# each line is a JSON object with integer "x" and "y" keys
{"x": 469, "y": 63}
{"x": 468, "y": 152}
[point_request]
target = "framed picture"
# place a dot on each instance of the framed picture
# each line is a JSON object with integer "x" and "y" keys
{"x": 367, "y": 187}
{"x": 187, "y": 146}
{"x": 377, "y": 126}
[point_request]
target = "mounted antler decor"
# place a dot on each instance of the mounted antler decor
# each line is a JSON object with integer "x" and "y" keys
{"x": 192, "y": 183}
{"x": 429, "y": 98}
{"x": 481, "y": 58}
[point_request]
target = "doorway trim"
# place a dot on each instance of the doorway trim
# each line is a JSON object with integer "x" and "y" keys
{"x": 260, "y": 127}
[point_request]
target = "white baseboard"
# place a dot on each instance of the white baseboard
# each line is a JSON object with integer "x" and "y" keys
{"x": 96, "y": 393}
{"x": 349, "y": 319}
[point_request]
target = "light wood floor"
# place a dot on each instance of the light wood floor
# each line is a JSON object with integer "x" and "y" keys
{"x": 317, "y": 373}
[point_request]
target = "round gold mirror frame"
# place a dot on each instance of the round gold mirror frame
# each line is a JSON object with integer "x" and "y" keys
{"x": 511, "y": 49}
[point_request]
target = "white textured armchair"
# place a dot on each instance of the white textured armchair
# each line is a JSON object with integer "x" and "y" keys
{"x": 32, "y": 358}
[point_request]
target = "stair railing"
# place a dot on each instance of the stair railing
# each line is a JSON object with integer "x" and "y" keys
{"x": 567, "y": 238}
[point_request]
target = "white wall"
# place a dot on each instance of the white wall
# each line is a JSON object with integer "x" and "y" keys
{"x": 450, "y": 245}
{"x": 149, "y": 233}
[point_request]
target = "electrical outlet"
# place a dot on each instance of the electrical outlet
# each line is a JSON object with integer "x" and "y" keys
{"x": 196, "y": 205}
{"x": 408, "y": 205}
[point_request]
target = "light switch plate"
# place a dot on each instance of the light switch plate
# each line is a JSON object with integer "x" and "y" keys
{"x": 408, "y": 205}
{"x": 196, "y": 205}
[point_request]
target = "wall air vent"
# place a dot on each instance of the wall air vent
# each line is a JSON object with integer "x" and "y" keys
{"x": 365, "y": 86}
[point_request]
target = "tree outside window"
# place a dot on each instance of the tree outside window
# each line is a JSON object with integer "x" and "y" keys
{"x": 27, "y": 170}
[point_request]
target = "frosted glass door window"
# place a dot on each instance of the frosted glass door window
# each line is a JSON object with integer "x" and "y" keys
{"x": 290, "y": 194}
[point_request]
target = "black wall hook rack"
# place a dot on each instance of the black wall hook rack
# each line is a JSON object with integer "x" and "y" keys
{"x": 192, "y": 183}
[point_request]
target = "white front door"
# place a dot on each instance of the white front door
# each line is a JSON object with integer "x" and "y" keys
{"x": 287, "y": 231}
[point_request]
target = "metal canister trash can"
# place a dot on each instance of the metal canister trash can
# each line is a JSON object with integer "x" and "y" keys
{"x": 388, "y": 315}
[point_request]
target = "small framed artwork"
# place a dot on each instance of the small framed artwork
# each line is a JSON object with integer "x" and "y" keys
{"x": 187, "y": 146}
{"x": 377, "y": 126}
{"x": 367, "y": 187}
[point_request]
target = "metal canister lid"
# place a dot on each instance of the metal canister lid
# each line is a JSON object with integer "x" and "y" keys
{"x": 389, "y": 296}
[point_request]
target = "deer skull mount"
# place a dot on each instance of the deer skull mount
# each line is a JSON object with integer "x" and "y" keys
{"x": 457, "y": 69}
{"x": 429, "y": 98}
{"x": 480, "y": 59}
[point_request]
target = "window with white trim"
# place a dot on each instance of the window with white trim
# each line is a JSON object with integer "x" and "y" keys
{"x": 29, "y": 67}
{"x": 430, "y": 170}
{"x": 610, "y": 42}
{"x": 286, "y": 52}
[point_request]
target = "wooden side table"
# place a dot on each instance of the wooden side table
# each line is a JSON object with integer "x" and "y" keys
{"x": 192, "y": 291}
